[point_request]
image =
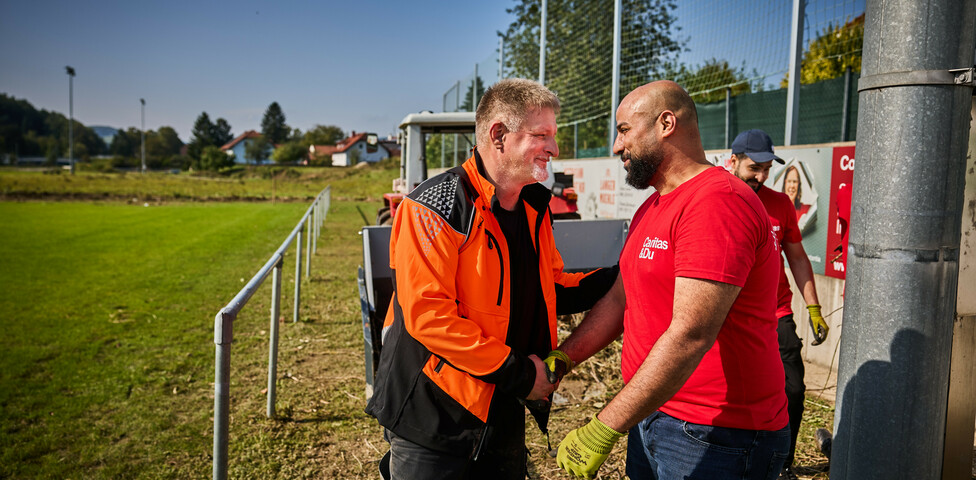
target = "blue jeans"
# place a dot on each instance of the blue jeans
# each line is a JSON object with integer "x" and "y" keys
{"x": 662, "y": 447}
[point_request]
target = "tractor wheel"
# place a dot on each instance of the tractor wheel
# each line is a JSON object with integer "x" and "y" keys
{"x": 383, "y": 216}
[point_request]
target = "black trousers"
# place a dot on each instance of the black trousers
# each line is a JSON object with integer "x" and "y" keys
{"x": 408, "y": 461}
{"x": 503, "y": 456}
{"x": 789, "y": 350}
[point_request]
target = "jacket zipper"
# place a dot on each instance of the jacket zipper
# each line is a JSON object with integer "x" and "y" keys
{"x": 481, "y": 442}
{"x": 493, "y": 243}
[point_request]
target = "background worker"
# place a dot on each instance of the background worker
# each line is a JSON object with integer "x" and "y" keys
{"x": 473, "y": 314}
{"x": 752, "y": 158}
{"x": 696, "y": 302}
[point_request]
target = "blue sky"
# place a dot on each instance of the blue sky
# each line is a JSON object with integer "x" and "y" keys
{"x": 360, "y": 65}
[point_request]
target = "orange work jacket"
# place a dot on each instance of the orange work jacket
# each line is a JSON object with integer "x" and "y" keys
{"x": 445, "y": 330}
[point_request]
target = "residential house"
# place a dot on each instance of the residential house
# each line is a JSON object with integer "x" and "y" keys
{"x": 359, "y": 147}
{"x": 319, "y": 152}
{"x": 391, "y": 145}
{"x": 238, "y": 147}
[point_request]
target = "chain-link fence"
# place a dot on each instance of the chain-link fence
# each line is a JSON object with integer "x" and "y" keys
{"x": 733, "y": 57}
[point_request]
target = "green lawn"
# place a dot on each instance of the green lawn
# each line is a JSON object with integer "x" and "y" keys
{"x": 107, "y": 360}
{"x": 238, "y": 184}
{"x": 107, "y": 311}
{"x": 107, "y": 314}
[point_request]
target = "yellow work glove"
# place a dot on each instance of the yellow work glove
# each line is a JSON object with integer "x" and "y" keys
{"x": 558, "y": 364}
{"x": 818, "y": 324}
{"x": 583, "y": 450}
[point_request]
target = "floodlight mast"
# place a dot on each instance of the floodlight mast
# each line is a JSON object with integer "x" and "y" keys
{"x": 71, "y": 115}
{"x": 143, "y": 102}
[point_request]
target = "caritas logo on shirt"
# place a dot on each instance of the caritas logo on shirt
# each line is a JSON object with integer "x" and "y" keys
{"x": 647, "y": 250}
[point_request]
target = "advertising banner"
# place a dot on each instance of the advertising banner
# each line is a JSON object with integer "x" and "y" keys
{"x": 841, "y": 181}
{"x": 816, "y": 178}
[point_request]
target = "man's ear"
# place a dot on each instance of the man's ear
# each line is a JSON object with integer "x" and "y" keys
{"x": 667, "y": 123}
{"x": 496, "y": 134}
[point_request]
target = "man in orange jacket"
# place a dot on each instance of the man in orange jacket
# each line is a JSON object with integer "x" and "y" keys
{"x": 473, "y": 315}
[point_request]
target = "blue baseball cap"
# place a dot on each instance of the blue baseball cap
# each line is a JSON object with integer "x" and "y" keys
{"x": 757, "y": 145}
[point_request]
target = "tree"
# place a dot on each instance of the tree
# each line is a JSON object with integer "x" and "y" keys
{"x": 161, "y": 146}
{"x": 578, "y": 60}
{"x": 706, "y": 83}
{"x": 220, "y": 133}
{"x": 466, "y": 104}
{"x": 212, "y": 158}
{"x": 26, "y": 131}
{"x": 203, "y": 130}
{"x": 323, "y": 135}
{"x": 273, "y": 125}
{"x": 836, "y": 49}
{"x": 257, "y": 150}
{"x": 291, "y": 152}
{"x": 122, "y": 145}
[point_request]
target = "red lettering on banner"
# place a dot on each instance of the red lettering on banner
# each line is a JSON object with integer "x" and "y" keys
{"x": 839, "y": 212}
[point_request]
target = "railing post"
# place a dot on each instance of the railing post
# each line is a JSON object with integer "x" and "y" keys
{"x": 298, "y": 273}
{"x": 308, "y": 246}
{"x": 273, "y": 341}
{"x": 315, "y": 223}
{"x": 223, "y": 334}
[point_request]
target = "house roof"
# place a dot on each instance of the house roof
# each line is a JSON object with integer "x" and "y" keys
{"x": 348, "y": 142}
{"x": 391, "y": 146}
{"x": 240, "y": 138}
{"x": 322, "y": 149}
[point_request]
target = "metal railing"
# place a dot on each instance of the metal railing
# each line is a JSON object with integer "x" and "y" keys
{"x": 224, "y": 322}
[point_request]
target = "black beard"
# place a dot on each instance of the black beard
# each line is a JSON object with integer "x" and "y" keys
{"x": 750, "y": 185}
{"x": 641, "y": 170}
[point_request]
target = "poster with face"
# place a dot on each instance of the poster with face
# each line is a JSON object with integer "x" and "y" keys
{"x": 794, "y": 179}
{"x": 802, "y": 178}
{"x": 806, "y": 178}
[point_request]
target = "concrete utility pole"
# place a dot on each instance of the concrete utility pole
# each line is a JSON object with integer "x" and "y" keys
{"x": 71, "y": 118}
{"x": 912, "y": 134}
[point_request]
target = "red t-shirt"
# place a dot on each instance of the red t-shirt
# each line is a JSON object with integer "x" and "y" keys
{"x": 711, "y": 227}
{"x": 783, "y": 217}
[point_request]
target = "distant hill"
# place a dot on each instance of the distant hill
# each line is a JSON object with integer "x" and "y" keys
{"x": 106, "y": 133}
{"x": 28, "y": 132}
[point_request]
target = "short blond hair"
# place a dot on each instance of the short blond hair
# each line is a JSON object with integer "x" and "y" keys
{"x": 510, "y": 101}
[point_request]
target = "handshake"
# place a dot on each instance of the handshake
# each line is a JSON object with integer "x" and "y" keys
{"x": 585, "y": 449}
{"x": 549, "y": 373}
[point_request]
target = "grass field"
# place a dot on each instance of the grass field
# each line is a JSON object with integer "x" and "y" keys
{"x": 238, "y": 184}
{"x": 108, "y": 356}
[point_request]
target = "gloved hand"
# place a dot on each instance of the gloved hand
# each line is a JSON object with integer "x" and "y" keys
{"x": 583, "y": 450}
{"x": 558, "y": 364}
{"x": 818, "y": 324}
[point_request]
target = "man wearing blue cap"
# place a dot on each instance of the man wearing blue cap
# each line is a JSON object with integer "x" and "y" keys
{"x": 752, "y": 157}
